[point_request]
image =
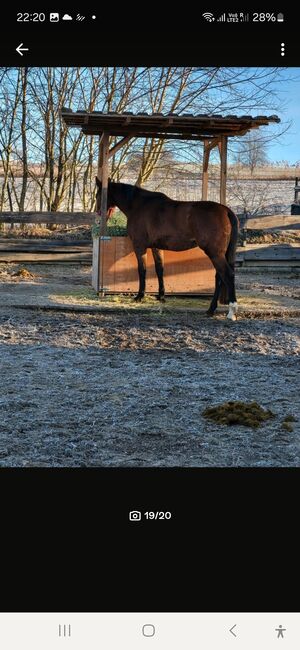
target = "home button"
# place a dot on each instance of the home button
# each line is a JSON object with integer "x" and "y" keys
{"x": 148, "y": 630}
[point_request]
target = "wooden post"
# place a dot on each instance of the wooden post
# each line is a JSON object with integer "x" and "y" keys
{"x": 206, "y": 152}
{"x": 223, "y": 177}
{"x": 208, "y": 146}
{"x": 99, "y": 242}
{"x": 297, "y": 189}
{"x": 100, "y": 156}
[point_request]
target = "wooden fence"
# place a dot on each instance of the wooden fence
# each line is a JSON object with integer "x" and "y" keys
{"x": 57, "y": 251}
{"x": 50, "y": 251}
{"x": 70, "y": 218}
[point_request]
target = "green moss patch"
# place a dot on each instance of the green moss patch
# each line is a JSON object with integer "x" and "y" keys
{"x": 248, "y": 414}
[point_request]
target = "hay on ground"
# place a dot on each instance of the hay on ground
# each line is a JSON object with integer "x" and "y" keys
{"x": 23, "y": 273}
{"x": 249, "y": 414}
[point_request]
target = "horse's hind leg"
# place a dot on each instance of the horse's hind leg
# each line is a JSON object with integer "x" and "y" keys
{"x": 214, "y": 303}
{"x": 226, "y": 274}
{"x": 159, "y": 268}
{"x": 141, "y": 255}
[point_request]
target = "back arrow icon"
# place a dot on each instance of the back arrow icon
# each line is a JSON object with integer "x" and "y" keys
{"x": 231, "y": 630}
{"x": 20, "y": 49}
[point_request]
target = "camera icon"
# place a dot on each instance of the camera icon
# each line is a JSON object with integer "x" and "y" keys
{"x": 135, "y": 515}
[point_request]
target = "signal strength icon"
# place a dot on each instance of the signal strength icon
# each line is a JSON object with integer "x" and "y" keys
{"x": 208, "y": 16}
{"x": 222, "y": 19}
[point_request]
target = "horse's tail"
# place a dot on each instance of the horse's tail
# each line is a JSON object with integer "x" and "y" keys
{"x": 230, "y": 253}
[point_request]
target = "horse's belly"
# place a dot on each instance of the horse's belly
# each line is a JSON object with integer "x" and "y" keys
{"x": 172, "y": 245}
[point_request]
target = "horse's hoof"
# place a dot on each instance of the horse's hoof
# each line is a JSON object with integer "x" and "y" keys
{"x": 138, "y": 298}
{"x": 161, "y": 298}
{"x": 210, "y": 312}
{"x": 232, "y": 311}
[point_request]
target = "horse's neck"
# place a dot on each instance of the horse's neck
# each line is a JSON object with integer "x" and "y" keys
{"x": 122, "y": 195}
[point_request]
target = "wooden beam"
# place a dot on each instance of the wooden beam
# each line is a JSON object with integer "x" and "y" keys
{"x": 100, "y": 156}
{"x": 150, "y": 134}
{"x": 75, "y": 218}
{"x": 206, "y": 153}
{"x": 95, "y": 264}
{"x": 208, "y": 146}
{"x": 213, "y": 143}
{"x": 223, "y": 178}
{"x": 84, "y": 257}
{"x": 104, "y": 155}
{"x": 119, "y": 145}
{"x": 36, "y": 245}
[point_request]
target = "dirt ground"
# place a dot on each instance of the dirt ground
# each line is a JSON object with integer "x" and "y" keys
{"x": 126, "y": 386}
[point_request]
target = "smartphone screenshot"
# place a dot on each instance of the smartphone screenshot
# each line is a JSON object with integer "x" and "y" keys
{"x": 149, "y": 328}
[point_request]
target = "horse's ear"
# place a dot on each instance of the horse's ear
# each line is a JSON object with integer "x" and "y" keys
{"x": 98, "y": 183}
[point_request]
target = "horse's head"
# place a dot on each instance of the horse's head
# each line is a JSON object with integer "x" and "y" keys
{"x": 110, "y": 203}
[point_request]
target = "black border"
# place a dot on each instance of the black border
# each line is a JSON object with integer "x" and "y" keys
{"x": 67, "y": 543}
{"x": 130, "y": 36}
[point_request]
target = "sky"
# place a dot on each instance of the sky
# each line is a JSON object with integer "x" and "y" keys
{"x": 288, "y": 145}
{"x": 237, "y": 92}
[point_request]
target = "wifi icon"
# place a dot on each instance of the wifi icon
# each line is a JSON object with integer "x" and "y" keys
{"x": 208, "y": 16}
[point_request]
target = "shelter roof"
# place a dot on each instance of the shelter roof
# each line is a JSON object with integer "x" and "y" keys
{"x": 167, "y": 126}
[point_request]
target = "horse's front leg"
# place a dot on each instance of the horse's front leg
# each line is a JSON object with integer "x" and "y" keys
{"x": 141, "y": 255}
{"x": 158, "y": 257}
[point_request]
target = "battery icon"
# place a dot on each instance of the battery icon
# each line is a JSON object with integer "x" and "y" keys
{"x": 280, "y": 18}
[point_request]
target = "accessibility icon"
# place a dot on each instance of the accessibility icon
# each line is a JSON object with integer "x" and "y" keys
{"x": 280, "y": 632}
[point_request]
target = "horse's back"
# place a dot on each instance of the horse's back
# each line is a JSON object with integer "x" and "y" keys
{"x": 168, "y": 224}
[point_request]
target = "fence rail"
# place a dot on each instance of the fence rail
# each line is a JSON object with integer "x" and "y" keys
{"x": 79, "y": 251}
{"x": 264, "y": 222}
{"x": 71, "y": 218}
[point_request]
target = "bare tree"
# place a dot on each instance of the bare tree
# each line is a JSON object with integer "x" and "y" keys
{"x": 251, "y": 152}
{"x": 10, "y": 102}
{"x": 45, "y": 163}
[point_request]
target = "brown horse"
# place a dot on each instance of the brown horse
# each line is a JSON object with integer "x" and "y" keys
{"x": 155, "y": 221}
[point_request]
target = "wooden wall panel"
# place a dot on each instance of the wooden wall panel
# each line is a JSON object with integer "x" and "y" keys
{"x": 185, "y": 272}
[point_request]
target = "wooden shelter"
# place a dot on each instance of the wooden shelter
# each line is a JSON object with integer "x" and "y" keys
{"x": 212, "y": 130}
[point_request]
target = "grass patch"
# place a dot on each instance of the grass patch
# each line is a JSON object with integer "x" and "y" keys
{"x": 87, "y": 296}
{"x": 248, "y": 414}
{"x": 258, "y": 301}
{"x": 171, "y": 303}
{"x": 117, "y": 225}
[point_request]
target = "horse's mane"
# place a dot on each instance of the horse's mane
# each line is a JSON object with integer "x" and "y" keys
{"x": 133, "y": 190}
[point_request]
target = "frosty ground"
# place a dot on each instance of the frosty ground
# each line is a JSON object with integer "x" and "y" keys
{"x": 128, "y": 388}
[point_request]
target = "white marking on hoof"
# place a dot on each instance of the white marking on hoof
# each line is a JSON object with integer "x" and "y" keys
{"x": 232, "y": 310}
